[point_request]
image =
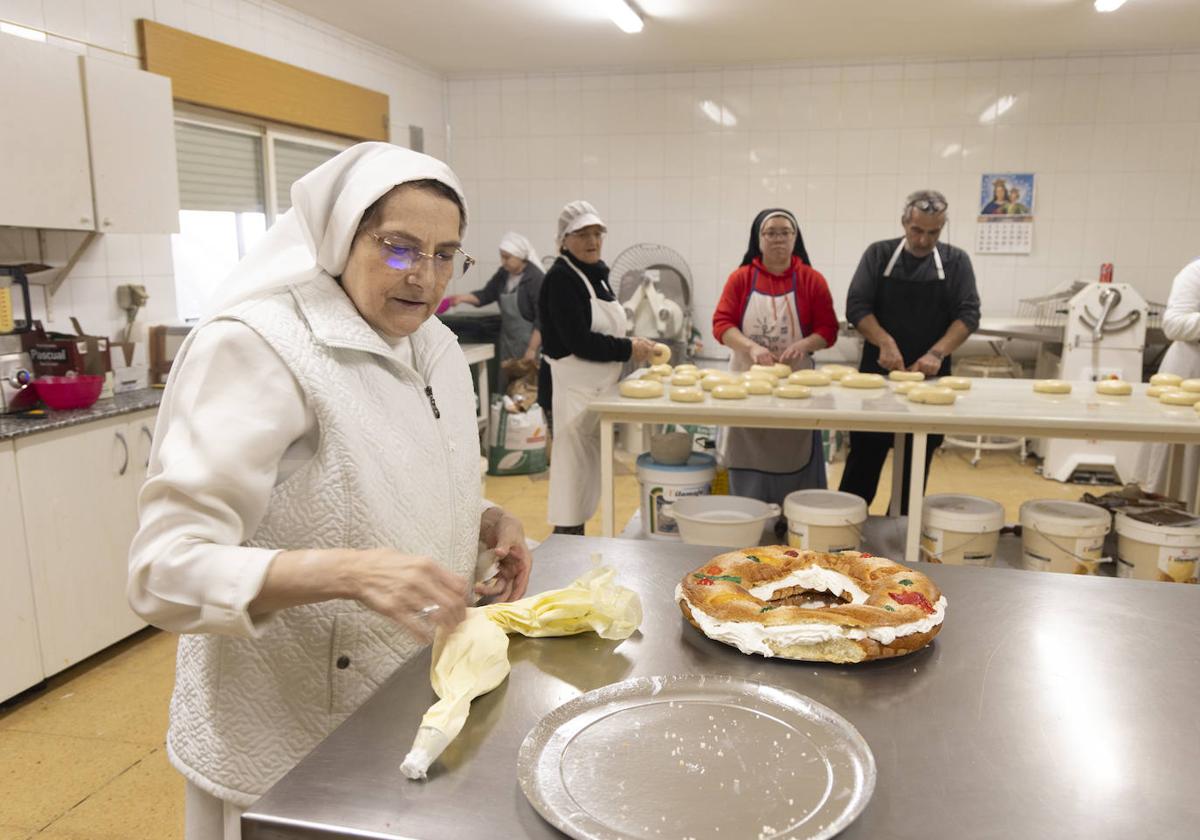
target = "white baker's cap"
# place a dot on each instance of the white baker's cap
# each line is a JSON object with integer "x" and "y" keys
{"x": 577, "y": 215}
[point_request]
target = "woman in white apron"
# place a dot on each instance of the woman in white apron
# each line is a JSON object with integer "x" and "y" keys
{"x": 1181, "y": 324}
{"x": 583, "y": 332}
{"x": 774, "y": 308}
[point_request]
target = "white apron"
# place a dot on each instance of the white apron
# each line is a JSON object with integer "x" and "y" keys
{"x": 575, "y": 463}
{"x": 773, "y": 322}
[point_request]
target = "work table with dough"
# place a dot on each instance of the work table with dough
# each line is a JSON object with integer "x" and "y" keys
{"x": 988, "y": 407}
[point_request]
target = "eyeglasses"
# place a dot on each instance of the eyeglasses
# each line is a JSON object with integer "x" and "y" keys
{"x": 404, "y": 258}
{"x": 778, "y": 234}
{"x": 928, "y": 205}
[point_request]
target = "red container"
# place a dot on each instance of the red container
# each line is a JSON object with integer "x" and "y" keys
{"x": 66, "y": 392}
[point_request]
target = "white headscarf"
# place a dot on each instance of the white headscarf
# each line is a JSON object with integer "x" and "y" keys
{"x": 519, "y": 246}
{"x": 577, "y": 215}
{"x": 315, "y": 235}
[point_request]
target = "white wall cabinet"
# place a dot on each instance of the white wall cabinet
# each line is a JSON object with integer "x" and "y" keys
{"x": 45, "y": 178}
{"x": 78, "y": 497}
{"x": 131, "y": 130}
{"x": 21, "y": 664}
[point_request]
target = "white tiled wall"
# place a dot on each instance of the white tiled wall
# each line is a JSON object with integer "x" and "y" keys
{"x": 106, "y": 29}
{"x": 1114, "y": 141}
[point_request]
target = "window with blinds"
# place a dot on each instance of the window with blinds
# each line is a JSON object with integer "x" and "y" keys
{"x": 292, "y": 162}
{"x": 219, "y": 170}
{"x": 230, "y": 192}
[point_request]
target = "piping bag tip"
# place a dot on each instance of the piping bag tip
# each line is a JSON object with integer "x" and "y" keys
{"x": 427, "y": 746}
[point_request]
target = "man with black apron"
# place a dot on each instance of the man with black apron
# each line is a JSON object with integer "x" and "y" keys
{"x": 914, "y": 301}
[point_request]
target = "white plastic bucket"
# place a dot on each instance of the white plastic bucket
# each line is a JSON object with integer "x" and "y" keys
{"x": 960, "y": 529}
{"x": 824, "y": 520}
{"x": 1146, "y": 551}
{"x": 1058, "y": 536}
{"x": 662, "y": 484}
{"x": 728, "y": 521}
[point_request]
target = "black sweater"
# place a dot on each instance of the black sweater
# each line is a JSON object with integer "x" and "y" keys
{"x": 565, "y": 314}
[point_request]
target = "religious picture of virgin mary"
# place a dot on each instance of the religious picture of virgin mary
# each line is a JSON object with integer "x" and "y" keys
{"x": 1006, "y": 195}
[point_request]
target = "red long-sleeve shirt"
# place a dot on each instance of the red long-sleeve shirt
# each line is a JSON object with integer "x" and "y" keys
{"x": 814, "y": 304}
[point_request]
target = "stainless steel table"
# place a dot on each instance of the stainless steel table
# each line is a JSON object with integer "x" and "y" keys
{"x": 1049, "y": 706}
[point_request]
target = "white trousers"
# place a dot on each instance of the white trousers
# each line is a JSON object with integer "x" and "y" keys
{"x": 207, "y": 818}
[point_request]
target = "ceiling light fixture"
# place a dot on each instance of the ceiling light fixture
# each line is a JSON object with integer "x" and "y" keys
{"x": 22, "y": 32}
{"x": 625, "y": 16}
{"x": 1108, "y": 5}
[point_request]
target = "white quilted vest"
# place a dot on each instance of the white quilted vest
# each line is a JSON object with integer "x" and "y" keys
{"x": 387, "y": 472}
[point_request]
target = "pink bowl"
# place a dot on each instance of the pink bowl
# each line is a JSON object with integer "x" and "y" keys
{"x": 65, "y": 392}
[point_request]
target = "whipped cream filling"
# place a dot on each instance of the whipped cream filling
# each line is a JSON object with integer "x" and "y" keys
{"x": 752, "y": 637}
{"x": 816, "y": 578}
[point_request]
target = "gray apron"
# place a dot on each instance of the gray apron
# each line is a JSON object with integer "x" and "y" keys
{"x": 515, "y": 332}
{"x": 775, "y": 324}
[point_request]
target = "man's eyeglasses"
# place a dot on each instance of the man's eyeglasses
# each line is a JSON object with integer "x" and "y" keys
{"x": 404, "y": 258}
{"x": 929, "y": 205}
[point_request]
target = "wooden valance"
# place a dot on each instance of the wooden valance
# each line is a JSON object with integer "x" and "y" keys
{"x": 216, "y": 75}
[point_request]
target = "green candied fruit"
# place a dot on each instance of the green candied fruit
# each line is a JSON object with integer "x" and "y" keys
{"x": 767, "y": 609}
{"x": 906, "y": 582}
{"x": 730, "y": 578}
{"x": 752, "y": 558}
{"x": 890, "y": 609}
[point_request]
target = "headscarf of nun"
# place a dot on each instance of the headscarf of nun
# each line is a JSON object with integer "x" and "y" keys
{"x": 754, "y": 250}
{"x": 315, "y": 235}
{"x": 519, "y": 247}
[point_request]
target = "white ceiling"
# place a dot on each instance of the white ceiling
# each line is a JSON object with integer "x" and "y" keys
{"x": 464, "y": 37}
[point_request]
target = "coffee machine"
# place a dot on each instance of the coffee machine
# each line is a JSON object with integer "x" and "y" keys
{"x": 16, "y": 366}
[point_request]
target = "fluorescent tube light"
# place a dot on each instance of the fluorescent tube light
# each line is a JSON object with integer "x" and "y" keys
{"x": 1108, "y": 5}
{"x": 22, "y": 32}
{"x": 624, "y": 16}
{"x": 718, "y": 114}
{"x": 997, "y": 108}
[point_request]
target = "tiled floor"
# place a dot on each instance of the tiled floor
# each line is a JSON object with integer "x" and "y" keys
{"x": 84, "y": 758}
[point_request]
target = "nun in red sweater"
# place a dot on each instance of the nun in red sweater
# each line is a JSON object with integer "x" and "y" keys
{"x": 775, "y": 308}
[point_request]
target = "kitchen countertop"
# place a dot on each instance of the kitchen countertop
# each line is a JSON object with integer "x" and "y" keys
{"x": 1049, "y": 706}
{"x": 17, "y": 426}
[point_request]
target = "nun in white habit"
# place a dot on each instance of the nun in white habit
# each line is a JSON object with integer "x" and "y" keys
{"x": 312, "y": 508}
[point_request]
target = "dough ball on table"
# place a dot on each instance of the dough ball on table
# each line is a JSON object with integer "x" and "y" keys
{"x": 791, "y": 391}
{"x": 761, "y": 387}
{"x": 782, "y": 370}
{"x": 906, "y": 376}
{"x": 688, "y": 368}
{"x": 703, "y": 372}
{"x": 1114, "y": 388}
{"x": 1166, "y": 379}
{"x": 662, "y": 370}
{"x": 1051, "y": 386}
{"x": 764, "y": 375}
{"x": 1190, "y": 384}
{"x": 1178, "y": 397}
{"x": 687, "y": 395}
{"x": 957, "y": 383}
{"x": 1156, "y": 391}
{"x": 661, "y": 354}
{"x": 684, "y": 379}
{"x": 809, "y": 378}
{"x": 729, "y": 391}
{"x": 903, "y": 388}
{"x": 932, "y": 395}
{"x": 714, "y": 379}
{"x": 862, "y": 380}
{"x": 642, "y": 389}
{"x": 836, "y": 372}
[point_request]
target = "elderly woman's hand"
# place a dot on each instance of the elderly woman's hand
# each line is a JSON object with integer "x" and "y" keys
{"x": 643, "y": 349}
{"x": 761, "y": 355}
{"x": 413, "y": 591}
{"x": 504, "y": 534}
